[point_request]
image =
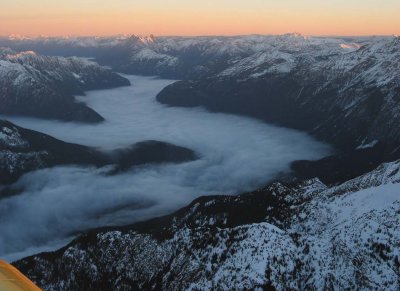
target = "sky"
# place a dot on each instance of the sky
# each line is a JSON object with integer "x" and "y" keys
{"x": 204, "y": 17}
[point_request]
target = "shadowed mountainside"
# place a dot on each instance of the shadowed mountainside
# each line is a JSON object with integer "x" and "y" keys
{"x": 23, "y": 150}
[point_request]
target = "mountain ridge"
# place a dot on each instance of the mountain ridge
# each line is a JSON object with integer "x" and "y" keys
{"x": 42, "y": 86}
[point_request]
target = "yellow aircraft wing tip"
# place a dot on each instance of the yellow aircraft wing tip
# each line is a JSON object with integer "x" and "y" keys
{"x": 12, "y": 279}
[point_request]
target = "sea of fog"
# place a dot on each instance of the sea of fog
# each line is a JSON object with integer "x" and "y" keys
{"x": 236, "y": 154}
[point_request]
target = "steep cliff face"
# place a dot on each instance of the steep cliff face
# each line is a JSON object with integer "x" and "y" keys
{"x": 285, "y": 236}
{"x": 40, "y": 86}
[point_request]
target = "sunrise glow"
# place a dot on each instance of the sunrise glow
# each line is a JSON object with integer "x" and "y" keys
{"x": 178, "y": 17}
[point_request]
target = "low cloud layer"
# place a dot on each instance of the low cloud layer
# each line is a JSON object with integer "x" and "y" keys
{"x": 237, "y": 154}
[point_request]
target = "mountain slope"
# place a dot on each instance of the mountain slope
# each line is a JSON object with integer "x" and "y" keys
{"x": 23, "y": 150}
{"x": 285, "y": 236}
{"x": 350, "y": 99}
{"x": 181, "y": 57}
{"x": 40, "y": 86}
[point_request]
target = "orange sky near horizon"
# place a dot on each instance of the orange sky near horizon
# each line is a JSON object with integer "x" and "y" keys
{"x": 178, "y": 17}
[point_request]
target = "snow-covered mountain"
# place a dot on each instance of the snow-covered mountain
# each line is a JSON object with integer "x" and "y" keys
{"x": 198, "y": 57}
{"x": 42, "y": 86}
{"x": 347, "y": 96}
{"x": 285, "y": 236}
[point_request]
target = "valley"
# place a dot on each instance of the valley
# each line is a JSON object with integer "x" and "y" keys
{"x": 224, "y": 162}
{"x": 234, "y": 154}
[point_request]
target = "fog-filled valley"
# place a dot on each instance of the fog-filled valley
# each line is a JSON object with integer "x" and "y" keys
{"x": 255, "y": 162}
{"x": 236, "y": 154}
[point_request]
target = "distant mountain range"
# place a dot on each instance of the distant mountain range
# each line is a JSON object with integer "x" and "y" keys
{"x": 194, "y": 57}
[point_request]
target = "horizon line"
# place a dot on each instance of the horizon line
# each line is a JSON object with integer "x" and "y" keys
{"x": 194, "y": 36}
